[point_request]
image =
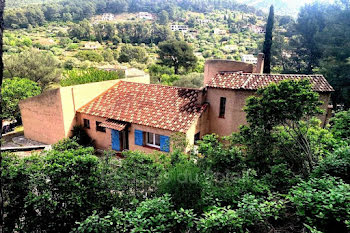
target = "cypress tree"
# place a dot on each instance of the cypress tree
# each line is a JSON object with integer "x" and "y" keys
{"x": 268, "y": 41}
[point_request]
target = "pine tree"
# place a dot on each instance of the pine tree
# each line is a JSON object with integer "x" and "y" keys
{"x": 268, "y": 41}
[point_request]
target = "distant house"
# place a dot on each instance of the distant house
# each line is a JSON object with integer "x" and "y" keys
{"x": 218, "y": 31}
{"x": 145, "y": 15}
{"x": 181, "y": 28}
{"x": 249, "y": 58}
{"x": 92, "y": 45}
{"x": 106, "y": 17}
{"x": 257, "y": 29}
{"x": 203, "y": 21}
{"x": 132, "y": 114}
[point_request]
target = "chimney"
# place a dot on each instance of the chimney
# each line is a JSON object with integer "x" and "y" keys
{"x": 260, "y": 64}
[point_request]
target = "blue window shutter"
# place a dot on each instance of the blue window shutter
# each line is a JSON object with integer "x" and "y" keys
{"x": 164, "y": 143}
{"x": 138, "y": 137}
{"x": 115, "y": 140}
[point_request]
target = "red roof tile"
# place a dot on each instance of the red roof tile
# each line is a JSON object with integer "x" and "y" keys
{"x": 247, "y": 81}
{"x": 165, "y": 107}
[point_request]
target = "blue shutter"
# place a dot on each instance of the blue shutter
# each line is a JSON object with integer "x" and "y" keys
{"x": 138, "y": 137}
{"x": 164, "y": 143}
{"x": 115, "y": 140}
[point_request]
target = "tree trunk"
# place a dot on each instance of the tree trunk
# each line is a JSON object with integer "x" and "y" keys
{"x": 2, "y": 7}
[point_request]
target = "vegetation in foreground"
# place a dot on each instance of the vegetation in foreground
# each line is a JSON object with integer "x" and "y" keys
{"x": 281, "y": 173}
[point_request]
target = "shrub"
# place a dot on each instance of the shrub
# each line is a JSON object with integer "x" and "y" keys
{"x": 66, "y": 144}
{"x": 218, "y": 158}
{"x": 81, "y": 76}
{"x": 137, "y": 176}
{"x": 90, "y": 56}
{"x": 341, "y": 125}
{"x": 337, "y": 164}
{"x": 184, "y": 183}
{"x": 323, "y": 202}
{"x": 251, "y": 211}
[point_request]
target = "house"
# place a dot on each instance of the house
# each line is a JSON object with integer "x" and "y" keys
{"x": 181, "y": 28}
{"x": 257, "y": 29}
{"x": 92, "y": 45}
{"x": 218, "y": 31}
{"x": 145, "y": 15}
{"x": 249, "y": 58}
{"x": 131, "y": 114}
{"x": 106, "y": 17}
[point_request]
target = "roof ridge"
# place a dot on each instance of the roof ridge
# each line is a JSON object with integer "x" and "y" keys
{"x": 160, "y": 85}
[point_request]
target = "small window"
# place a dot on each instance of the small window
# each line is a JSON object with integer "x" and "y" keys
{"x": 153, "y": 139}
{"x": 197, "y": 137}
{"x": 87, "y": 123}
{"x": 100, "y": 128}
{"x": 222, "y": 107}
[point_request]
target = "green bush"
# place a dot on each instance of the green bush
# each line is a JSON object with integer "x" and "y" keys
{"x": 81, "y": 76}
{"x": 336, "y": 164}
{"x": 217, "y": 157}
{"x": 250, "y": 212}
{"x": 185, "y": 183}
{"x": 90, "y": 56}
{"x": 137, "y": 176}
{"x": 151, "y": 215}
{"x": 66, "y": 144}
{"x": 323, "y": 202}
{"x": 340, "y": 125}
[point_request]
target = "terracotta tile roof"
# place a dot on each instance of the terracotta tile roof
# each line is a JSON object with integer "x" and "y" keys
{"x": 247, "y": 81}
{"x": 170, "y": 108}
{"x": 113, "y": 124}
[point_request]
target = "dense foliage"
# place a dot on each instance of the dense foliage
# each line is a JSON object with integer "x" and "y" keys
{"x": 12, "y": 92}
{"x": 75, "y": 77}
{"x": 220, "y": 186}
{"x": 78, "y": 9}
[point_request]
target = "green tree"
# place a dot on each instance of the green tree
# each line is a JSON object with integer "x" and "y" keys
{"x": 284, "y": 104}
{"x": 163, "y": 18}
{"x": 177, "y": 54}
{"x": 268, "y": 41}
{"x": 38, "y": 66}
{"x": 130, "y": 53}
{"x": 311, "y": 21}
{"x": 13, "y": 91}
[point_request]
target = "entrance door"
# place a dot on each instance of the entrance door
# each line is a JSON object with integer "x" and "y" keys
{"x": 125, "y": 139}
{"x": 116, "y": 140}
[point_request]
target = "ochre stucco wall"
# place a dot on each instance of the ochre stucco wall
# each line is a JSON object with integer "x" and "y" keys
{"x": 103, "y": 140}
{"x": 43, "y": 118}
{"x": 234, "y": 114}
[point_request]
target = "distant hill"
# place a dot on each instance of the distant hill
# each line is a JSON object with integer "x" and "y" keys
{"x": 282, "y": 7}
{"x": 21, "y": 3}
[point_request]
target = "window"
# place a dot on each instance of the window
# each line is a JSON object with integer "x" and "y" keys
{"x": 87, "y": 123}
{"x": 222, "y": 107}
{"x": 197, "y": 137}
{"x": 152, "y": 139}
{"x": 100, "y": 128}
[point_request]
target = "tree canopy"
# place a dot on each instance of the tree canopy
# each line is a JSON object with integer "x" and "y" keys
{"x": 177, "y": 54}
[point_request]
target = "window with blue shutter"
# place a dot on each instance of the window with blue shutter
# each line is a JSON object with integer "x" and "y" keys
{"x": 115, "y": 140}
{"x": 138, "y": 137}
{"x": 164, "y": 143}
